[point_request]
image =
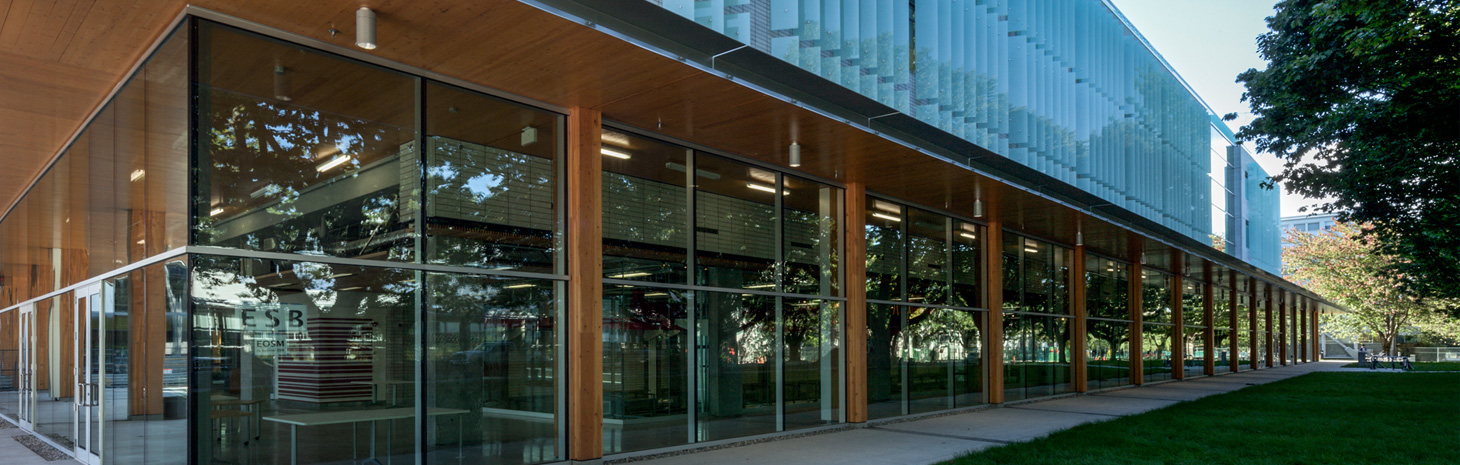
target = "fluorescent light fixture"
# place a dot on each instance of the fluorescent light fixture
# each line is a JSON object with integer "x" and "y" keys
{"x": 887, "y": 217}
{"x": 1031, "y": 250}
{"x": 616, "y": 138}
{"x": 970, "y": 236}
{"x": 761, "y": 286}
{"x": 619, "y": 154}
{"x": 341, "y": 275}
{"x": 914, "y": 298}
{"x": 142, "y": 242}
{"x": 215, "y": 211}
{"x": 795, "y": 155}
{"x": 656, "y": 294}
{"x": 761, "y": 187}
{"x": 636, "y": 274}
{"x": 365, "y": 28}
{"x": 138, "y": 174}
{"x": 329, "y": 165}
{"x": 519, "y": 286}
{"x": 352, "y": 288}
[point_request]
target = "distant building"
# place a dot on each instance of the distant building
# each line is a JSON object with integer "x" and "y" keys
{"x": 1307, "y": 223}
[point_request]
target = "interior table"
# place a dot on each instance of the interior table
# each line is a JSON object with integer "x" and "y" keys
{"x": 354, "y": 417}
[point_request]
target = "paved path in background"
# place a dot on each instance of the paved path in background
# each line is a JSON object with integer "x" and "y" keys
{"x": 941, "y": 438}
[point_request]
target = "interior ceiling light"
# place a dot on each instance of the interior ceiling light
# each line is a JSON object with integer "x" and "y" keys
{"x": 795, "y": 155}
{"x": 365, "y": 28}
{"x": 519, "y": 286}
{"x": 763, "y": 188}
{"x": 329, "y": 165}
{"x": 615, "y": 153}
{"x": 617, "y": 138}
{"x": 887, "y": 217}
{"x": 635, "y": 274}
{"x": 281, "y": 84}
{"x": 216, "y": 211}
{"x": 970, "y": 236}
{"x": 138, "y": 174}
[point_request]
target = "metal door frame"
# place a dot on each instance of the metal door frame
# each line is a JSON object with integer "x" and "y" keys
{"x": 90, "y": 313}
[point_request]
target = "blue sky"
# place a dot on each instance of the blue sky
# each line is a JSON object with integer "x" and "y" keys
{"x": 1209, "y": 42}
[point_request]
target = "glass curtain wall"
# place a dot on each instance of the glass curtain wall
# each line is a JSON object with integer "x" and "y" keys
{"x": 1157, "y": 327}
{"x": 1108, "y": 322}
{"x": 925, "y": 330}
{"x": 1037, "y": 318}
{"x": 1194, "y": 327}
{"x": 115, "y": 196}
{"x": 365, "y": 175}
{"x": 722, "y": 301}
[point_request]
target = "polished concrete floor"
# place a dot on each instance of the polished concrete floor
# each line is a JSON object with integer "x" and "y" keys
{"x": 941, "y": 438}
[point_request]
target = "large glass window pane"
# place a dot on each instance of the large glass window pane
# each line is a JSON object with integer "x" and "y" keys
{"x": 928, "y": 258}
{"x": 736, "y": 337}
{"x": 885, "y": 355}
{"x": 1222, "y": 340}
{"x": 491, "y": 182}
{"x": 55, "y": 369}
{"x": 735, "y": 224}
{"x": 492, "y": 356}
{"x": 811, "y": 341}
{"x": 646, "y": 394}
{"x": 1156, "y": 351}
{"x": 943, "y": 367}
{"x": 146, "y": 394}
{"x": 967, "y": 266}
{"x": 645, "y": 219}
{"x": 1155, "y": 297}
{"x": 303, "y": 152}
{"x": 1107, "y": 289}
{"x": 885, "y": 250}
{"x": 812, "y": 237}
{"x": 315, "y": 352}
{"x": 1108, "y": 361}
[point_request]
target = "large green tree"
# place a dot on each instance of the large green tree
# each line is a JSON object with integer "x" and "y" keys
{"x": 1361, "y": 99}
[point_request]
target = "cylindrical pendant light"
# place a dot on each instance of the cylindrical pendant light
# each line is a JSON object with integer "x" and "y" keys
{"x": 281, "y": 84}
{"x": 365, "y": 28}
{"x": 795, "y": 155}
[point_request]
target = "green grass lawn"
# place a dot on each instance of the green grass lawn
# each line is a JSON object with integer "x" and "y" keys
{"x": 1418, "y": 366}
{"x": 1319, "y": 418}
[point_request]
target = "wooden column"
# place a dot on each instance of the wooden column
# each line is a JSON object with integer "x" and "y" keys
{"x": 1133, "y": 297}
{"x": 854, "y": 263}
{"x": 1208, "y": 337}
{"x": 993, "y": 274}
{"x": 1178, "y": 336}
{"x": 1077, "y": 301}
{"x": 585, "y": 286}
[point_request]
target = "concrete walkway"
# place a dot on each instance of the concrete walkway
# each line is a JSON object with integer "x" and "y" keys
{"x": 15, "y": 453}
{"x": 941, "y": 438}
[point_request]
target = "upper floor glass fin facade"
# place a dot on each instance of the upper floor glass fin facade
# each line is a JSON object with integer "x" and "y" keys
{"x": 1065, "y": 87}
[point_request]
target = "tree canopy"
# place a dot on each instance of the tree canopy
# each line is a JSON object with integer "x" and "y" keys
{"x": 1347, "y": 266}
{"x": 1361, "y": 100}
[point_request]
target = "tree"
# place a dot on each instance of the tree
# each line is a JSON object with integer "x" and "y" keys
{"x": 1361, "y": 100}
{"x": 1348, "y": 266}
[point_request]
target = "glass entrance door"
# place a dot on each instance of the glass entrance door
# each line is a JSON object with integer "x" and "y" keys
{"x": 90, "y": 369}
{"x": 25, "y": 366}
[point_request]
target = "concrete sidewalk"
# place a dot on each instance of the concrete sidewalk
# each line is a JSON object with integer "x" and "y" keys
{"x": 941, "y": 438}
